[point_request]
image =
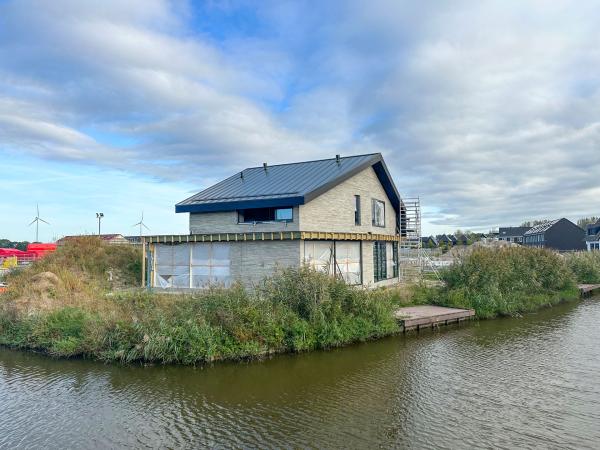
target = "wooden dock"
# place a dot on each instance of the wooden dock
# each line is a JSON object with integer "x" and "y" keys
{"x": 587, "y": 290}
{"x": 429, "y": 316}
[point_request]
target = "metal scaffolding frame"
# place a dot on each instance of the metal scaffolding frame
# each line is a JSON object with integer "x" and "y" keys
{"x": 410, "y": 256}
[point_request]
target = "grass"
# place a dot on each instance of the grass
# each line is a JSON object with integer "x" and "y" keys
{"x": 585, "y": 266}
{"x": 77, "y": 314}
{"x": 65, "y": 305}
{"x": 503, "y": 282}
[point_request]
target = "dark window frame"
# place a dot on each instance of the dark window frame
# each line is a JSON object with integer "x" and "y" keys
{"x": 379, "y": 261}
{"x": 374, "y": 201}
{"x": 357, "y": 210}
{"x": 396, "y": 270}
{"x": 270, "y": 215}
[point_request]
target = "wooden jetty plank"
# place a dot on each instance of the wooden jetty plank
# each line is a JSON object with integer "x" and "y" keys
{"x": 425, "y": 316}
{"x": 587, "y": 290}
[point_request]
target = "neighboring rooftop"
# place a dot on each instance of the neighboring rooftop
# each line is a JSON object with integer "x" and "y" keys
{"x": 287, "y": 184}
{"x": 111, "y": 238}
{"x": 542, "y": 227}
{"x": 512, "y": 231}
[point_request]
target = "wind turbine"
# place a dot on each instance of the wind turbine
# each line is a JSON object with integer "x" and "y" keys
{"x": 37, "y": 221}
{"x": 141, "y": 224}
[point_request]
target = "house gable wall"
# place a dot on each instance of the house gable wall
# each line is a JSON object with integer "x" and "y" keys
{"x": 565, "y": 235}
{"x": 333, "y": 210}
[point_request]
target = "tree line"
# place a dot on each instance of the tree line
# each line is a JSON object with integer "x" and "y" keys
{"x": 19, "y": 245}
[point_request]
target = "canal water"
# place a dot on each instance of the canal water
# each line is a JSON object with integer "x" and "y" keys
{"x": 532, "y": 382}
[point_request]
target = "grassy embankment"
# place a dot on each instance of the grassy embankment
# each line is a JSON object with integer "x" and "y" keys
{"x": 511, "y": 281}
{"x": 64, "y": 305}
{"x": 75, "y": 313}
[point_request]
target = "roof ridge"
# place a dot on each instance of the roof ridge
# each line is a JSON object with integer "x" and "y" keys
{"x": 313, "y": 160}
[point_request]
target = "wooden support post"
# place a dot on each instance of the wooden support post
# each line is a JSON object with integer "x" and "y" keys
{"x": 143, "y": 263}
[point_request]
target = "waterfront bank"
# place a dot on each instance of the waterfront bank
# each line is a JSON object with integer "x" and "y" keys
{"x": 508, "y": 383}
{"x": 75, "y": 313}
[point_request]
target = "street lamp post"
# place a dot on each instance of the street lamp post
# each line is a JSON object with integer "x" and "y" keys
{"x": 99, "y": 216}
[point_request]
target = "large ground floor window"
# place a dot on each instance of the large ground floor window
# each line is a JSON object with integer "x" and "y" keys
{"x": 385, "y": 260}
{"x": 193, "y": 265}
{"x": 342, "y": 258}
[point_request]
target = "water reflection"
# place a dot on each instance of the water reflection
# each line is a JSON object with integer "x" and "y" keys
{"x": 507, "y": 383}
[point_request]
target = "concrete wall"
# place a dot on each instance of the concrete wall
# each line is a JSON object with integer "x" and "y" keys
{"x": 334, "y": 210}
{"x": 252, "y": 261}
{"x": 227, "y": 222}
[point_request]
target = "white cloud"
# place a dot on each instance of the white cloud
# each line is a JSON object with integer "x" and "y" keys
{"x": 488, "y": 111}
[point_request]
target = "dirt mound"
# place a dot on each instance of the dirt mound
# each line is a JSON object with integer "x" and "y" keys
{"x": 39, "y": 294}
{"x": 44, "y": 282}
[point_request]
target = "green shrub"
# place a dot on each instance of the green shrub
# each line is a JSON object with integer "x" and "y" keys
{"x": 294, "y": 310}
{"x": 585, "y": 266}
{"x": 506, "y": 281}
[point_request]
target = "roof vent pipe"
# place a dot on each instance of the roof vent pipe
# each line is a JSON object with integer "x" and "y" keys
{"x": 337, "y": 159}
{"x": 242, "y": 175}
{"x": 265, "y": 166}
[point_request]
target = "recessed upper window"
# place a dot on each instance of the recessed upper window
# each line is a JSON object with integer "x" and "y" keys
{"x": 357, "y": 210}
{"x": 255, "y": 215}
{"x": 284, "y": 214}
{"x": 378, "y": 213}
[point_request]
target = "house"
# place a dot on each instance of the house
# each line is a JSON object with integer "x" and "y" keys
{"x": 559, "y": 234}
{"x": 444, "y": 240}
{"x": 512, "y": 234}
{"x": 429, "y": 242}
{"x": 342, "y": 216}
{"x": 592, "y": 236}
{"x": 461, "y": 239}
{"x": 108, "y": 238}
{"x": 453, "y": 239}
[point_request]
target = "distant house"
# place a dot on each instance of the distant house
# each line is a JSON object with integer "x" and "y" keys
{"x": 342, "y": 216}
{"x": 461, "y": 239}
{"x": 592, "y": 236}
{"x": 559, "y": 234}
{"x": 429, "y": 242}
{"x": 512, "y": 234}
{"x": 108, "y": 238}
{"x": 453, "y": 239}
{"x": 444, "y": 239}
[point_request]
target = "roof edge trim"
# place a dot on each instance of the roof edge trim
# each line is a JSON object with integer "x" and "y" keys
{"x": 241, "y": 204}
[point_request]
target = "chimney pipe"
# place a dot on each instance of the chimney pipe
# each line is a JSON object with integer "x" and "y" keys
{"x": 242, "y": 175}
{"x": 265, "y": 166}
{"x": 337, "y": 159}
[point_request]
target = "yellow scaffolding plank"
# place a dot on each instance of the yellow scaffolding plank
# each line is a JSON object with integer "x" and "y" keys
{"x": 272, "y": 236}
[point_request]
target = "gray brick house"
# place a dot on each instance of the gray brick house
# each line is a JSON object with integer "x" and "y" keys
{"x": 342, "y": 216}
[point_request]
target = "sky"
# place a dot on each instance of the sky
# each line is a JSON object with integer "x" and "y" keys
{"x": 488, "y": 111}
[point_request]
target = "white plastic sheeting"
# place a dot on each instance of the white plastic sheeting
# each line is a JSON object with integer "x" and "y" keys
{"x": 340, "y": 257}
{"x": 319, "y": 255}
{"x": 389, "y": 259}
{"x": 193, "y": 265}
{"x": 347, "y": 258}
{"x": 172, "y": 267}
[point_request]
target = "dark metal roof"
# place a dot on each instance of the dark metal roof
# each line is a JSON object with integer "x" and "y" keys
{"x": 542, "y": 227}
{"x": 287, "y": 184}
{"x": 513, "y": 231}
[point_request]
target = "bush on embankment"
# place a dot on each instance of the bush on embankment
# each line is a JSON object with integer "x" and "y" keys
{"x": 295, "y": 310}
{"x": 585, "y": 266}
{"x": 504, "y": 281}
